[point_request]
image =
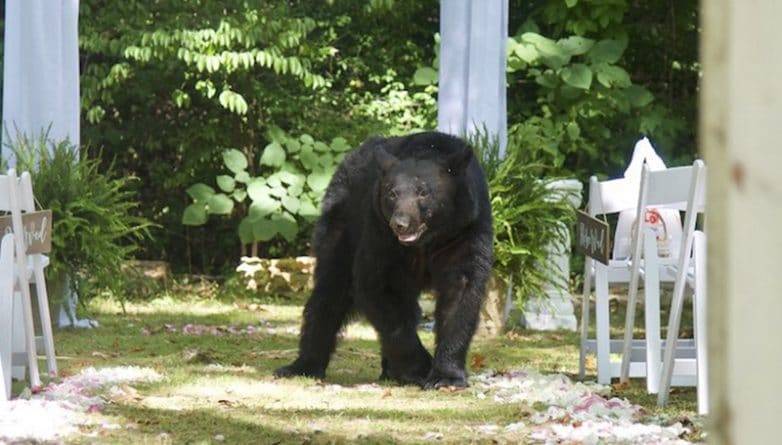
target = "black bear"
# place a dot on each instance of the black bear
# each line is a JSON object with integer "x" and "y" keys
{"x": 401, "y": 215}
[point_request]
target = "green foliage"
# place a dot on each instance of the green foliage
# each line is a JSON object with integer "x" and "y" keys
{"x": 530, "y": 218}
{"x": 580, "y": 97}
{"x": 95, "y": 226}
{"x": 166, "y": 85}
{"x": 282, "y": 199}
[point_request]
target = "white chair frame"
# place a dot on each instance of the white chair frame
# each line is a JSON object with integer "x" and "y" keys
{"x": 606, "y": 197}
{"x": 6, "y": 313}
{"x": 679, "y": 188}
{"x": 16, "y": 196}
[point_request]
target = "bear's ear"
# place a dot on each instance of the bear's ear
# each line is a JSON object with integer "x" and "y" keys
{"x": 458, "y": 162}
{"x": 385, "y": 160}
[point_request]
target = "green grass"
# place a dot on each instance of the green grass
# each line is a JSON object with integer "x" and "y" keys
{"x": 240, "y": 400}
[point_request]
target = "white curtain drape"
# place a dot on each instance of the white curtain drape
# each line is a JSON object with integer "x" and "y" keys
{"x": 472, "y": 85}
{"x": 41, "y": 70}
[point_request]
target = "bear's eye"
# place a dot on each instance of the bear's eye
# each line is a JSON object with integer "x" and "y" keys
{"x": 391, "y": 194}
{"x": 422, "y": 192}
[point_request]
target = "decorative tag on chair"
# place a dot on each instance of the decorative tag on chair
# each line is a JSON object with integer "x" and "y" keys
{"x": 37, "y": 230}
{"x": 654, "y": 219}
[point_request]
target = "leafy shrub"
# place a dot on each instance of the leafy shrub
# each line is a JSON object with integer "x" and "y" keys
{"x": 529, "y": 216}
{"x": 284, "y": 194}
{"x": 95, "y": 228}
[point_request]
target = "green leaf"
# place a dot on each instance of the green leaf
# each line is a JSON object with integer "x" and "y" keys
{"x": 263, "y": 207}
{"x": 547, "y": 79}
{"x": 263, "y": 229}
{"x": 307, "y": 209}
{"x": 577, "y": 75}
{"x": 320, "y": 146}
{"x": 200, "y": 192}
{"x": 546, "y": 46}
{"x": 309, "y": 159}
{"x": 425, "y": 75}
{"x": 291, "y": 203}
{"x": 571, "y": 3}
{"x": 573, "y": 130}
{"x": 339, "y": 144}
{"x": 233, "y": 101}
{"x": 235, "y": 160}
{"x": 290, "y": 178}
{"x": 292, "y": 145}
{"x": 606, "y": 51}
{"x": 273, "y": 155}
{"x": 274, "y": 181}
{"x": 612, "y": 75}
{"x": 276, "y": 134}
{"x": 239, "y": 195}
{"x": 576, "y": 45}
{"x": 526, "y": 52}
{"x": 243, "y": 177}
{"x": 246, "y": 230}
{"x": 285, "y": 224}
{"x": 226, "y": 183}
{"x": 326, "y": 160}
{"x": 278, "y": 191}
{"x": 257, "y": 189}
{"x": 194, "y": 215}
{"x": 318, "y": 180}
{"x": 638, "y": 96}
{"x": 307, "y": 139}
{"x": 220, "y": 204}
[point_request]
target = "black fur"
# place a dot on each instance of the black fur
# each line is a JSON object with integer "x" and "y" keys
{"x": 401, "y": 215}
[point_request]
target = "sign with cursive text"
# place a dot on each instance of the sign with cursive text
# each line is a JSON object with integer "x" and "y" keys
{"x": 592, "y": 237}
{"x": 37, "y": 230}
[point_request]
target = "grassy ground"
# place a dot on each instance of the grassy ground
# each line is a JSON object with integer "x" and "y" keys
{"x": 220, "y": 387}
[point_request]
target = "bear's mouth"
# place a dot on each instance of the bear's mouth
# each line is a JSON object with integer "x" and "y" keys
{"x": 411, "y": 237}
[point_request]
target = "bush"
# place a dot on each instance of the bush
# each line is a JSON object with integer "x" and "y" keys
{"x": 274, "y": 197}
{"x": 529, "y": 218}
{"x": 94, "y": 228}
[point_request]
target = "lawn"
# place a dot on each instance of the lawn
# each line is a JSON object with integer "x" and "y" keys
{"x": 217, "y": 383}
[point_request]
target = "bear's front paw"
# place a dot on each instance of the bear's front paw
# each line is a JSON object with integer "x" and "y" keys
{"x": 298, "y": 369}
{"x": 437, "y": 380}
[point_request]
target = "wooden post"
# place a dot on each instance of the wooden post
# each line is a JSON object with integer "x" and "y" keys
{"x": 741, "y": 139}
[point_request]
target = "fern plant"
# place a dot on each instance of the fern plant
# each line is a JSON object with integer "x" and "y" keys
{"x": 95, "y": 228}
{"x": 531, "y": 218}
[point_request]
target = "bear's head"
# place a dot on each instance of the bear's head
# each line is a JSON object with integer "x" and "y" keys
{"x": 418, "y": 197}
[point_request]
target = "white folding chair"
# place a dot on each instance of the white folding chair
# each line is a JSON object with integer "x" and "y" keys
{"x": 6, "y": 312}
{"x": 605, "y": 198}
{"x": 681, "y": 189}
{"x": 16, "y": 196}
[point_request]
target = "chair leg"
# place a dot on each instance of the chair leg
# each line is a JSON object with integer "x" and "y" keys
{"x": 585, "y": 317}
{"x": 29, "y": 331}
{"x": 700, "y": 299}
{"x": 652, "y": 312}
{"x": 6, "y": 347}
{"x": 602, "y": 324}
{"x": 46, "y": 320}
{"x": 669, "y": 357}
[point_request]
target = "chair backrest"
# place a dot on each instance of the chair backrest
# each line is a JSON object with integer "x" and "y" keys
{"x": 612, "y": 196}
{"x": 680, "y": 188}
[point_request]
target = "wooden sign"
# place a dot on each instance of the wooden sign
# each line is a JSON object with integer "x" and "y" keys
{"x": 592, "y": 237}
{"x": 37, "y": 230}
